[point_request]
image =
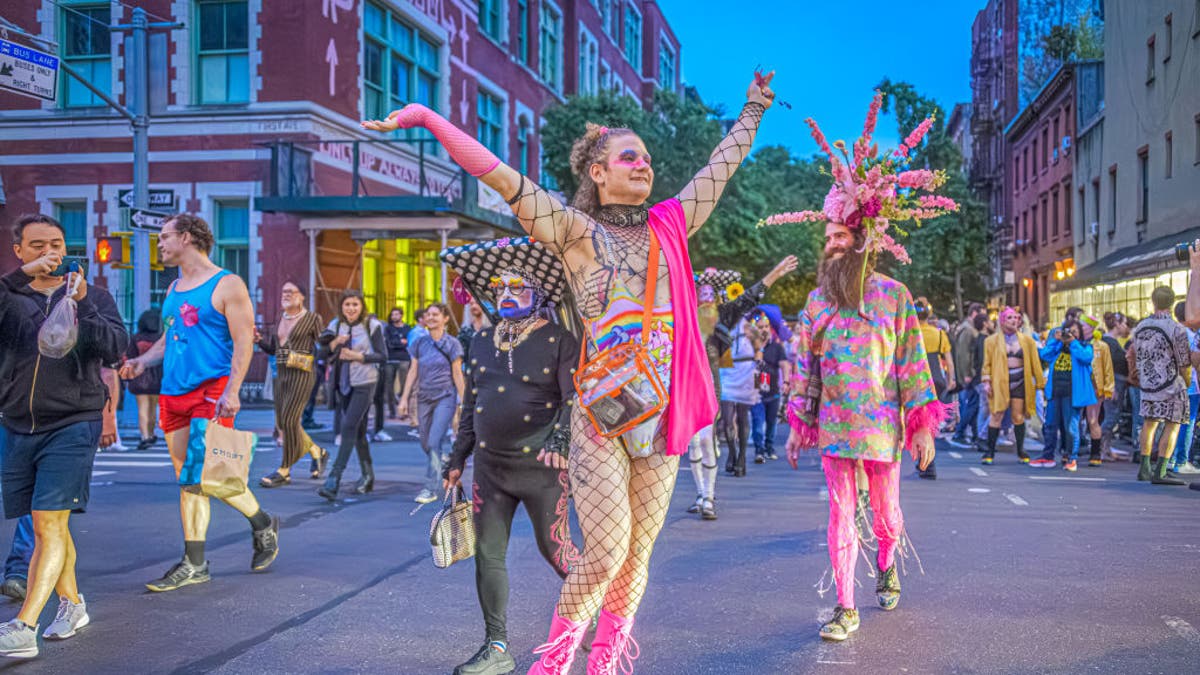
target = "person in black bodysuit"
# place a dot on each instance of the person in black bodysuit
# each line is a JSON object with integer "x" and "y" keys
{"x": 515, "y": 420}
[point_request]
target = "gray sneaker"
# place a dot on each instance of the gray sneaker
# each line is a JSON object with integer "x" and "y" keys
{"x": 70, "y": 617}
{"x": 17, "y": 640}
{"x": 425, "y": 497}
{"x": 182, "y": 574}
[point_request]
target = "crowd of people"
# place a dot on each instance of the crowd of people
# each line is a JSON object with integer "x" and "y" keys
{"x": 669, "y": 362}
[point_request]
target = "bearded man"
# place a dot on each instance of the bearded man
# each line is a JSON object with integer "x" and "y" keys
{"x": 864, "y": 390}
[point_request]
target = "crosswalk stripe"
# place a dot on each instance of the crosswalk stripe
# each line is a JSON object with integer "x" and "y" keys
{"x": 978, "y": 471}
{"x": 101, "y": 462}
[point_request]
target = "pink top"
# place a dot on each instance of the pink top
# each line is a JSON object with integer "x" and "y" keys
{"x": 693, "y": 403}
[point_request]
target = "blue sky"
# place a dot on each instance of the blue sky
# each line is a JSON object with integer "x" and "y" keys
{"x": 828, "y": 56}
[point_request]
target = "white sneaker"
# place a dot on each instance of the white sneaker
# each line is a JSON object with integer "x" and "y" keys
{"x": 337, "y": 440}
{"x": 17, "y": 640}
{"x": 1187, "y": 467}
{"x": 381, "y": 436}
{"x": 425, "y": 497}
{"x": 70, "y": 617}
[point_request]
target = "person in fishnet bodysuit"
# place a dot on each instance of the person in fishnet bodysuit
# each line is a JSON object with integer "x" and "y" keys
{"x": 603, "y": 239}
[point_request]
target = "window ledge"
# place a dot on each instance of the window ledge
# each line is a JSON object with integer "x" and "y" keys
{"x": 502, "y": 46}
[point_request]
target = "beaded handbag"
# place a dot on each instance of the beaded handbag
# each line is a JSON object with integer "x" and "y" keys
{"x": 452, "y": 532}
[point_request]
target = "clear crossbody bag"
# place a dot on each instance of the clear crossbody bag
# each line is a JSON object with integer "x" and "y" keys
{"x": 619, "y": 388}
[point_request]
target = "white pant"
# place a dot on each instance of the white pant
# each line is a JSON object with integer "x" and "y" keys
{"x": 702, "y": 452}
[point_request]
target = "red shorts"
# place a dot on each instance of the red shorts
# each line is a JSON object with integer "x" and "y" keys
{"x": 177, "y": 412}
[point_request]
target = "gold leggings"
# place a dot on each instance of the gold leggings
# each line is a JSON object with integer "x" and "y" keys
{"x": 621, "y": 502}
{"x": 1166, "y": 443}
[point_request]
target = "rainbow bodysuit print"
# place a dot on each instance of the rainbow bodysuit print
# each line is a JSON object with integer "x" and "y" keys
{"x": 621, "y": 323}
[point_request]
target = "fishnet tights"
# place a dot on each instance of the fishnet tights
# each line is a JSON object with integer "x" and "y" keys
{"x": 621, "y": 502}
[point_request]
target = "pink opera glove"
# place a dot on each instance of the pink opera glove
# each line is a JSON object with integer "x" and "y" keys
{"x": 469, "y": 153}
{"x": 928, "y": 417}
{"x": 806, "y": 434}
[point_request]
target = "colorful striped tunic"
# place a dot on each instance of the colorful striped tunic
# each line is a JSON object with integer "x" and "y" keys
{"x": 870, "y": 369}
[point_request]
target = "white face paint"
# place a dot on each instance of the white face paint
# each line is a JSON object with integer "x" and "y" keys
{"x": 515, "y": 296}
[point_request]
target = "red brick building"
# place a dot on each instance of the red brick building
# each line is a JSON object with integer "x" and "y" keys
{"x": 1040, "y": 141}
{"x": 255, "y": 109}
{"x": 994, "y": 101}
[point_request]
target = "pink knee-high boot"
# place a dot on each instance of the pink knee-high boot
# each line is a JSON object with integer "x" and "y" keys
{"x": 613, "y": 646}
{"x": 559, "y": 651}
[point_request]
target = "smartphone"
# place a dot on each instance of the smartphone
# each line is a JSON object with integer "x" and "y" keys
{"x": 70, "y": 263}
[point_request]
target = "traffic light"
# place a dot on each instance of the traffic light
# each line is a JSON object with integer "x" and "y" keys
{"x": 113, "y": 250}
{"x": 154, "y": 262}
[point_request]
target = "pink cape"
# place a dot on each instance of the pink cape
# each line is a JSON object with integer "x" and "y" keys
{"x": 693, "y": 403}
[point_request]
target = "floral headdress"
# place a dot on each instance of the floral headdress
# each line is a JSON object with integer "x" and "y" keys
{"x": 873, "y": 192}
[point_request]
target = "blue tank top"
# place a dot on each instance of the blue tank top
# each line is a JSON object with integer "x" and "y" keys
{"x": 199, "y": 347}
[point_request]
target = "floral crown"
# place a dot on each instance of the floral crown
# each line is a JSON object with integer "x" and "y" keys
{"x": 872, "y": 192}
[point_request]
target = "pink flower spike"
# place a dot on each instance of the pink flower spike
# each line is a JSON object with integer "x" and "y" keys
{"x": 914, "y": 139}
{"x": 872, "y": 116}
{"x": 796, "y": 217}
{"x": 819, "y": 137}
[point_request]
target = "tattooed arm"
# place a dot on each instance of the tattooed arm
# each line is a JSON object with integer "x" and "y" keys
{"x": 699, "y": 197}
{"x": 543, "y": 216}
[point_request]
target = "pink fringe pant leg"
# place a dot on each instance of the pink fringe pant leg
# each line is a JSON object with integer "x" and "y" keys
{"x": 884, "y": 483}
{"x": 883, "y": 479}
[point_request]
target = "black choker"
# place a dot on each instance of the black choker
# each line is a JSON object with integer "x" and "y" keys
{"x": 622, "y": 215}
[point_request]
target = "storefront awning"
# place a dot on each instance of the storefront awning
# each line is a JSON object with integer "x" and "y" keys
{"x": 1145, "y": 259}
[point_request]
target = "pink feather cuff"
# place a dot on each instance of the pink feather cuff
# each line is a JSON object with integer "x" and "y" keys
{"x": 929, "y": 416}
{"x": 807, "y": 433}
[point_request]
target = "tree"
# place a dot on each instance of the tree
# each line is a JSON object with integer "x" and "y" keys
{"x": 680, "y": 133}
{"x": 949, "y": 254}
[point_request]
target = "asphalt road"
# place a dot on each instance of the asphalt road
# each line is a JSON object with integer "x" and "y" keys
{"x": 1024, "y": 571}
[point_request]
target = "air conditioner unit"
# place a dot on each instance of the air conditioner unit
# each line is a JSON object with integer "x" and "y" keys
{"x": 1093, "y": 231}
{"x": 1054, "y": 156}
{"x": 1066, "y": 143}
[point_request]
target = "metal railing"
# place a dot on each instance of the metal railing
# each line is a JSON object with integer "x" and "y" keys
{"x": 292, "y": 169}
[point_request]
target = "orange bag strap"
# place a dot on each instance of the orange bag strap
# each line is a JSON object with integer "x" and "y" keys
{"x": 647, "y": 308}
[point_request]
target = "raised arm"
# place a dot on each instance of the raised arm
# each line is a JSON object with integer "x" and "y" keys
{"x": 699, "y": 197}
{"x": 541, "y": 214}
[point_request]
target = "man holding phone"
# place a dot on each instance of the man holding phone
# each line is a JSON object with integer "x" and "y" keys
{"x": 52, "y": 411}
{"x": 205, "y": 350}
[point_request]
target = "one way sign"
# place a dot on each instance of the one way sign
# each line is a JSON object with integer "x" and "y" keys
{"x": 159, "y": 199}
{"x": 152, "y": 220}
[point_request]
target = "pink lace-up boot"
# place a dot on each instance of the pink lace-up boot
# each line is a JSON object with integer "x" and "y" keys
{"x": 559, "y": 651}
{"x": 613, "y": 648}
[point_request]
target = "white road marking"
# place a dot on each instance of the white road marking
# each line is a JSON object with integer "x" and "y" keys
{"x": 956, "y": 455}
{"x": 102, "y": 473}
{"x": 1182, "y": 628}
{"x": 133, "y": 455}
{"x": 1080, "y": 478}
{"x": 978, "y": 490}
{"x": 1017, "y": 500}
{"x": 978, "y": 471}
{"x": 130, "y": 464}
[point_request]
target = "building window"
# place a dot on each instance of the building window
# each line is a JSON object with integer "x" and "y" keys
{"x": 1045, "y": 221}
{"x": 1168, "y": 154}
{"x": 1066, "y": 214}
{"x": 400, "y": 66}
{"x": 73, "y": 218}
{"x": 231, "y": 219}
{"x": 1017, "y": 174}
{"x": 633, "y": 36}
{"x": 1025, "y": 167}
{"x": 1150, "y": 60}
{"x": 86, "y": 47}
{"x": 1112, "y": 200}
{"x": 1045, "y": 148}
{"x": 589, "y": 55}
{"x": 491, "y": 123}
{"x": 1196, "y": 121}
{"x": 1096, "y": 204}
{"x": 604, "y": 83}
{"x": 523, "y": 31}
{"x": 1083, "y": 226}
{"x": 223, "y": 53}
{"x": 489, "y": 19}
{"x": 1033, "y": 226}
{"x": 1167, "y": 38}
{"x": 523, "y": 128}
{"x": 550, "y": 46}
{"x": 1196, "y": 20}
{"x": 1143, "y": 185}
{"x": 666, "y": 66}
{"x": 1054, "y": 214}
{"x": 546, "y": 178}
{"x": 1057, "y": 142}
{"x": 608, "y": 18}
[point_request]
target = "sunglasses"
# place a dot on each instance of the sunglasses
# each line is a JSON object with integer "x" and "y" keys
{"x": 515, "y": 287}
